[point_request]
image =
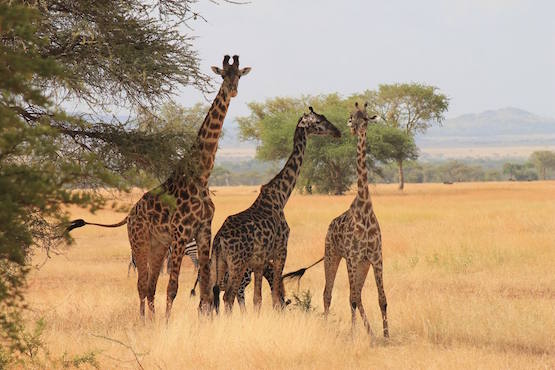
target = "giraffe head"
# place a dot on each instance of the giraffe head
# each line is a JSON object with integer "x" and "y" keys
{"x": 231, "y": 74}
{"x": 317, "y": 124}
{"x": 359, "y": 119}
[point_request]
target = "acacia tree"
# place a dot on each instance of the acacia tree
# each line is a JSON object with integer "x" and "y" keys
{"x": 544, "y": 160}
{"x": 412, "y": 108}
{"x": 94, "y": 55}
{"x": 387, "y": 144}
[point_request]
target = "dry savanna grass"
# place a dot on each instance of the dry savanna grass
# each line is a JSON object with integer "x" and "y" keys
{"x": 468, "y": 269}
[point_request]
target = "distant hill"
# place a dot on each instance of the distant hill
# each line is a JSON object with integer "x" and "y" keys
{"x": 507, "y": 127}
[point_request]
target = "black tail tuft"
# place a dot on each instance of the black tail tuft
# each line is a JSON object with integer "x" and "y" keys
{"x": 216, "y": 291}
{"x": 295, "y": 274}
{"x": 299, "y": 273}
{"x": 75, "y": 224}
{"x": 193, "y": 293}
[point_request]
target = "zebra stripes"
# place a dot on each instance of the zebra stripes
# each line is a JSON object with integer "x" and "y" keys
{"x": 191, "y": 250}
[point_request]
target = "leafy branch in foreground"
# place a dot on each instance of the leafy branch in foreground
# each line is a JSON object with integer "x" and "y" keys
{"x": 96, "y": 56}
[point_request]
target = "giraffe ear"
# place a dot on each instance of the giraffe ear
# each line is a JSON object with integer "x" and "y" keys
{"x": 217, "y": 70}
{"x": 244, "y": 71}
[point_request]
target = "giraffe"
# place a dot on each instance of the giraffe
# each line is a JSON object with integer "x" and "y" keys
{"x": 153, "y": 224}
{"x": 258, "y": 236}
{"x": 355, "y": 235}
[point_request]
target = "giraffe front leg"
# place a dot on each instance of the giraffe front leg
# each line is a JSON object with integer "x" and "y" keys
{"x": 280, "y": 256}
{"x": 257, "y": 297}
{"x": 139, "y": 250}
{"x": 360, "y": 275}
{"x": 203, "y": 238}
{"x": 277, "y": 285}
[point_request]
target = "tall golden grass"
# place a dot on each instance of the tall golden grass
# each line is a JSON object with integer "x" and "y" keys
{"x": 469, "y": 276}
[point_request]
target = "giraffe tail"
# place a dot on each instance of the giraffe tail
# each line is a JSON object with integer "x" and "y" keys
{"x": 80, "y": 223}
{"x": 215, "y": 270}
{"x": 298, "y": 274}
{"x": 193, "y": 292}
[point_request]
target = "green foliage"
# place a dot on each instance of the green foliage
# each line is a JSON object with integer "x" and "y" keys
{"x": 411, "y": 107}
{"x": 387, "y": 143}
{"x": 29, "y": 192}
{"x": 88, "y": 358}
{"x": 520, "y": 172}
{"x": 177, "y": 127}
{"x": 303, "y": 301}
{"x": 329, "y": 165}
{"x": 120, "y": 52}
{"x": 544, "y": 161}
{"x": 35, "y": 354}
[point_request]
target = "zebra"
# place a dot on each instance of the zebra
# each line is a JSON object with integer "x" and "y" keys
{"x": 190, "y": 250}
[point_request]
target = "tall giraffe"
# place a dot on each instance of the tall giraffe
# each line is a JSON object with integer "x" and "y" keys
{"x": 356, "y": 236}
{"x": 153, "y": 225}
{"x": 258, "y": 236}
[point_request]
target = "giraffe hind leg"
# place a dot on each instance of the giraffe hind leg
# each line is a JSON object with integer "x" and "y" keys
{"x": 234, "y": 281}
{"x": 139, "y": 250}
{"x": 378, "y": 270}
{"x": 156, "y": 260}
{"x": 331, "y": 264}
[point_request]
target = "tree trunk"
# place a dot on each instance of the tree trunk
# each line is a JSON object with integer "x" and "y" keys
{"x": 401, "y": 175}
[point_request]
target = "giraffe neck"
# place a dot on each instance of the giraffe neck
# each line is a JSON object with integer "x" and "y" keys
{"x": 284, "y": 182}
{"x": 209, "y": 133}
{"x": 362, "y": 181}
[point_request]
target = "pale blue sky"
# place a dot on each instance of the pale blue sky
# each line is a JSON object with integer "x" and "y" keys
{"x": 483, "y": 54}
